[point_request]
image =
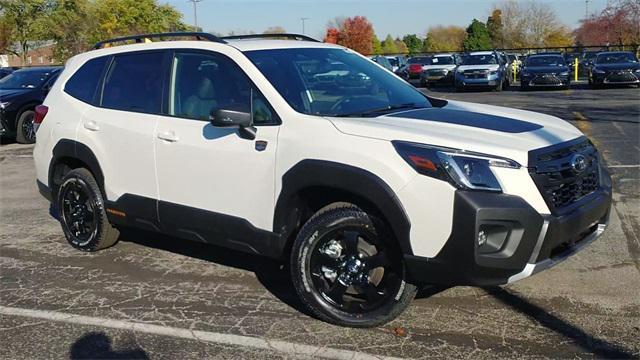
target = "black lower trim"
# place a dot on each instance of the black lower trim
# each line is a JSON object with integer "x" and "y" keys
{"x": 44, "y": 191}
{"x": 193, "y": 224}
{"x": 512, "y": 227}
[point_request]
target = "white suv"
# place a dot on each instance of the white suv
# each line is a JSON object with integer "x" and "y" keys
{"x": 312, "y": 154}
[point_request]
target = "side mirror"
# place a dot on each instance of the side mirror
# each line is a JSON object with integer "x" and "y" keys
{"x": 230, "y": 118}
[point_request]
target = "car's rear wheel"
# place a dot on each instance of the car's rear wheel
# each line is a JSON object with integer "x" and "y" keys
{"x": 82, "y": 213}
{"x": 347, "y": 271}
{"x": 25, "y": 132}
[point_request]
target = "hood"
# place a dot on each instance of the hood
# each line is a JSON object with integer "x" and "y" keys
{"x": 6, "y": 94}
{"x": 545, "y": 69}
{"x": 480, "y": 128}
{"x": 438, "y": 67}
{"x": 620, "y": 66}
{"x": 492, "y": 67}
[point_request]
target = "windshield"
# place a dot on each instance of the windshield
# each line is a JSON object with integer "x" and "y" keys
{"x": 488, "y": 59}
{"x": 335, "y": 82}
{"x": 511, "y": 58}
{"x": 24, "y": 79}
{"x": 614, "y": 58}
{"x": 422, "y": 60}
{"x": 545, "y": 61}
{"x": 442, "y": 60}
{"x": 393, "y": 61}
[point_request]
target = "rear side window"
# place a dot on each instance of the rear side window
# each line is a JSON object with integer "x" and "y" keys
{"x": 134, "y": 83}
{"x": 83, "y": 85}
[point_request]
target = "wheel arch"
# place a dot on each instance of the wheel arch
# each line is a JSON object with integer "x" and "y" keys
{"x": 311, "y": 185}
{"x": 69, "y": 154}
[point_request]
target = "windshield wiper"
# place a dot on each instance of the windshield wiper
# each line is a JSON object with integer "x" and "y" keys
{"x": 383, "y": 110}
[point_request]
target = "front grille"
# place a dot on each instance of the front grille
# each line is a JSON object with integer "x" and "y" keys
{"x": 437, "y": 72}
{"x": 559, "y": 177}
{"x": 546, "y": 80}
{"x": 476, "y": 74}
{"x": 621, "y": 77}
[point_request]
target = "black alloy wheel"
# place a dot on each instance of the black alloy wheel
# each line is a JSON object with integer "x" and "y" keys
{"x": 25, "y": 131}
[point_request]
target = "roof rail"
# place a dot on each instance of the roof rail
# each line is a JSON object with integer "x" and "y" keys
{"x": 271, "y": 36}
{"x": 141, "y": 38}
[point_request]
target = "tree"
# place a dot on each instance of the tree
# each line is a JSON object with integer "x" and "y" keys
{"x": 618, "y": 23}
{"x": 401, "y": 46}
{"x": 332, "y": 36}
{"x": 477, "y": 37}
{"x": 26, "y": 21}
{"x": 494, "y": 26}
{"x": 69, "y": 25}
{"x": 275, "y": 30}
{"x": 356, "y": 34}
{"x": 527, "y": 23}
{"x": 561, "y": 37}
{"x": 444, "y": 38}
{"x": 389, "y": 45}
{"x": 413, "y": 43}
{"x": 376, "y": 45}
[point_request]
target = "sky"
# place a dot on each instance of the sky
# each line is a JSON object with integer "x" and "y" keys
{"x": 395, "y": 17}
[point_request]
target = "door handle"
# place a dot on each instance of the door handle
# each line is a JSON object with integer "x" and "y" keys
{"x": 169, "y": 136}
{"x": 91, "y": 125}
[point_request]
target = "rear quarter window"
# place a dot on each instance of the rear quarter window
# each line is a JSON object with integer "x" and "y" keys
{"x": 83, "y": 84}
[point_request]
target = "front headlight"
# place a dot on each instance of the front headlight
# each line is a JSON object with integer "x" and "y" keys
{"x": 598, "y": 71}
{"x": 564, "y": 73}
{"x": 495, "y": 72}
{"x": 526, "y": 73}
{"x": 4, "y": 105}
{"x": 464, "y": 170}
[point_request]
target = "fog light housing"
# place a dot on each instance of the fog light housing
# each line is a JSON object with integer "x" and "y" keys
{"x": 482, "y": 238}
{"x": 492, "y": 237}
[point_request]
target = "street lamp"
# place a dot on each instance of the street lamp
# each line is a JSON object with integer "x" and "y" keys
{"x": 303, "y": 19}
{"x": 195, "y": 11}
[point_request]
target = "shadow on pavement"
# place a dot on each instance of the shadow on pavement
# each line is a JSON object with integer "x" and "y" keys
{"x": 600, "y": 348}
{"x": 97, "y": 345}
{"x": 270, "y": 273}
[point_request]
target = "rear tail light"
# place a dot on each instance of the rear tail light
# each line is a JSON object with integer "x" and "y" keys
{"x": 415, "y": 68}
{"x": 38, "y": 118}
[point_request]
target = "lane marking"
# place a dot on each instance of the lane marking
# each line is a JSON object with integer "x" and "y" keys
{"x": 623, "y": 166}
{"x": 206, "y": 336}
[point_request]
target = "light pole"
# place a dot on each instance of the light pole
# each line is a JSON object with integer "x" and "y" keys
{"x": 303, "y": 19}
{"x": 586, "y": 9}
{"x": 195, "y": 11}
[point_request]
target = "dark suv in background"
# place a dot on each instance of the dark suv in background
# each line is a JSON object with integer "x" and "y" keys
{"x": 547, "y": 71}
{"x": 20, "y": 92}
{"x": 615, "y": 68}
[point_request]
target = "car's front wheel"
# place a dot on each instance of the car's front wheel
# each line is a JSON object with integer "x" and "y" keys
{"x": 347, "y": 271}
{"x": 82, "y": 213}
{"x": 25, "y": 132}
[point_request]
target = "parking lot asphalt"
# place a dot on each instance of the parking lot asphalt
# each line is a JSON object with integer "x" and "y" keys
{"x": 151, "y": 296}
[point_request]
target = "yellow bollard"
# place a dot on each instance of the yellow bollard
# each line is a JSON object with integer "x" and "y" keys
{"x": 575, "y": 70}
{"x": 515, "y": 71}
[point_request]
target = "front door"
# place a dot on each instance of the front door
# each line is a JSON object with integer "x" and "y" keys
{"x": 215, "y": 185}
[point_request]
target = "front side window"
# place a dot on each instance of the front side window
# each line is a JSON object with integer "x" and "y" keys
{"x": 83, "y": 84}
{"x": 134, "y": 83}
{"x": 334, "y": 82}
{"x": 24, "y": 79}
{"x": 202, "y": 83}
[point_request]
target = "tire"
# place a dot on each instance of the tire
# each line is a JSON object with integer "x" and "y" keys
{"x": 459, "y": 88}
{"x": 524, "y": 87}
{"x": 79, "y": 198}
{"x": 25, "y": 134}
{"x": 325, "y": 267}
{"x": 500, "y": 86}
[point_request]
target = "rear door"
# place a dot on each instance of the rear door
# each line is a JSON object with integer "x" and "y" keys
{"x": 120, "y": 132}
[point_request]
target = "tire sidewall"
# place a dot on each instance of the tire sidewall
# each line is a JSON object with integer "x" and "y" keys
{"x": 21, "y": 137}
{"x": 307, "y": 241}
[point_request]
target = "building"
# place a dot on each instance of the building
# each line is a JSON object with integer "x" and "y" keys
{"x": 38, "y": 56}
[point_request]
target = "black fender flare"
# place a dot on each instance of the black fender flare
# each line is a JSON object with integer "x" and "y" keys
{"x": 67, "y": 148}
{"x": 310, "y": 173}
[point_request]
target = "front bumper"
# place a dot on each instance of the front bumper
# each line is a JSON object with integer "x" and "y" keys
{"x": 519, "y": 241}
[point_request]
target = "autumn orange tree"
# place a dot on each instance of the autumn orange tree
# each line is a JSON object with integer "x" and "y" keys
{"x": 354, "y": 32}
{"x": 618, "y": 23}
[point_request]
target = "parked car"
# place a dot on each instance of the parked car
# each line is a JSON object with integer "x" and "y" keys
{"x": 545, "y": 71}
{"x": 615, "y": 68}
{"x": 367, "y": 189}
{"x": 415, "y": 66}
{"x": 397, "y": 62}
{"x": 481, "y": 69}
{"x": 5, "y": 71}
{"x": 383, "y": 61}
{"x": 20, "y": 93}
{"x": 440, "y": 70}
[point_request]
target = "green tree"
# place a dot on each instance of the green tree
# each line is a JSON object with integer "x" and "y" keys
{"x": 444, "y": 38}
{"x": 477, "y": 37}
{"x": 413, "y": 42}
{"x": 389, "y": 45}
{"x": 275, "y": 30}
{"x": 495, "y": 28}
{"x": 69, "y": 25}
{"x": 26, "y": 21}
{"x": 377, "y": 46}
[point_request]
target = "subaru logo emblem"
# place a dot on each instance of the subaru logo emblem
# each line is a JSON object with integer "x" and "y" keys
{"x": 578, "y": 163}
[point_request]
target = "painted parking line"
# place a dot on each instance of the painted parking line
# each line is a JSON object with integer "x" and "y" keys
{"x": 623, "y": 166}
{"x": 284, "y": 347}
